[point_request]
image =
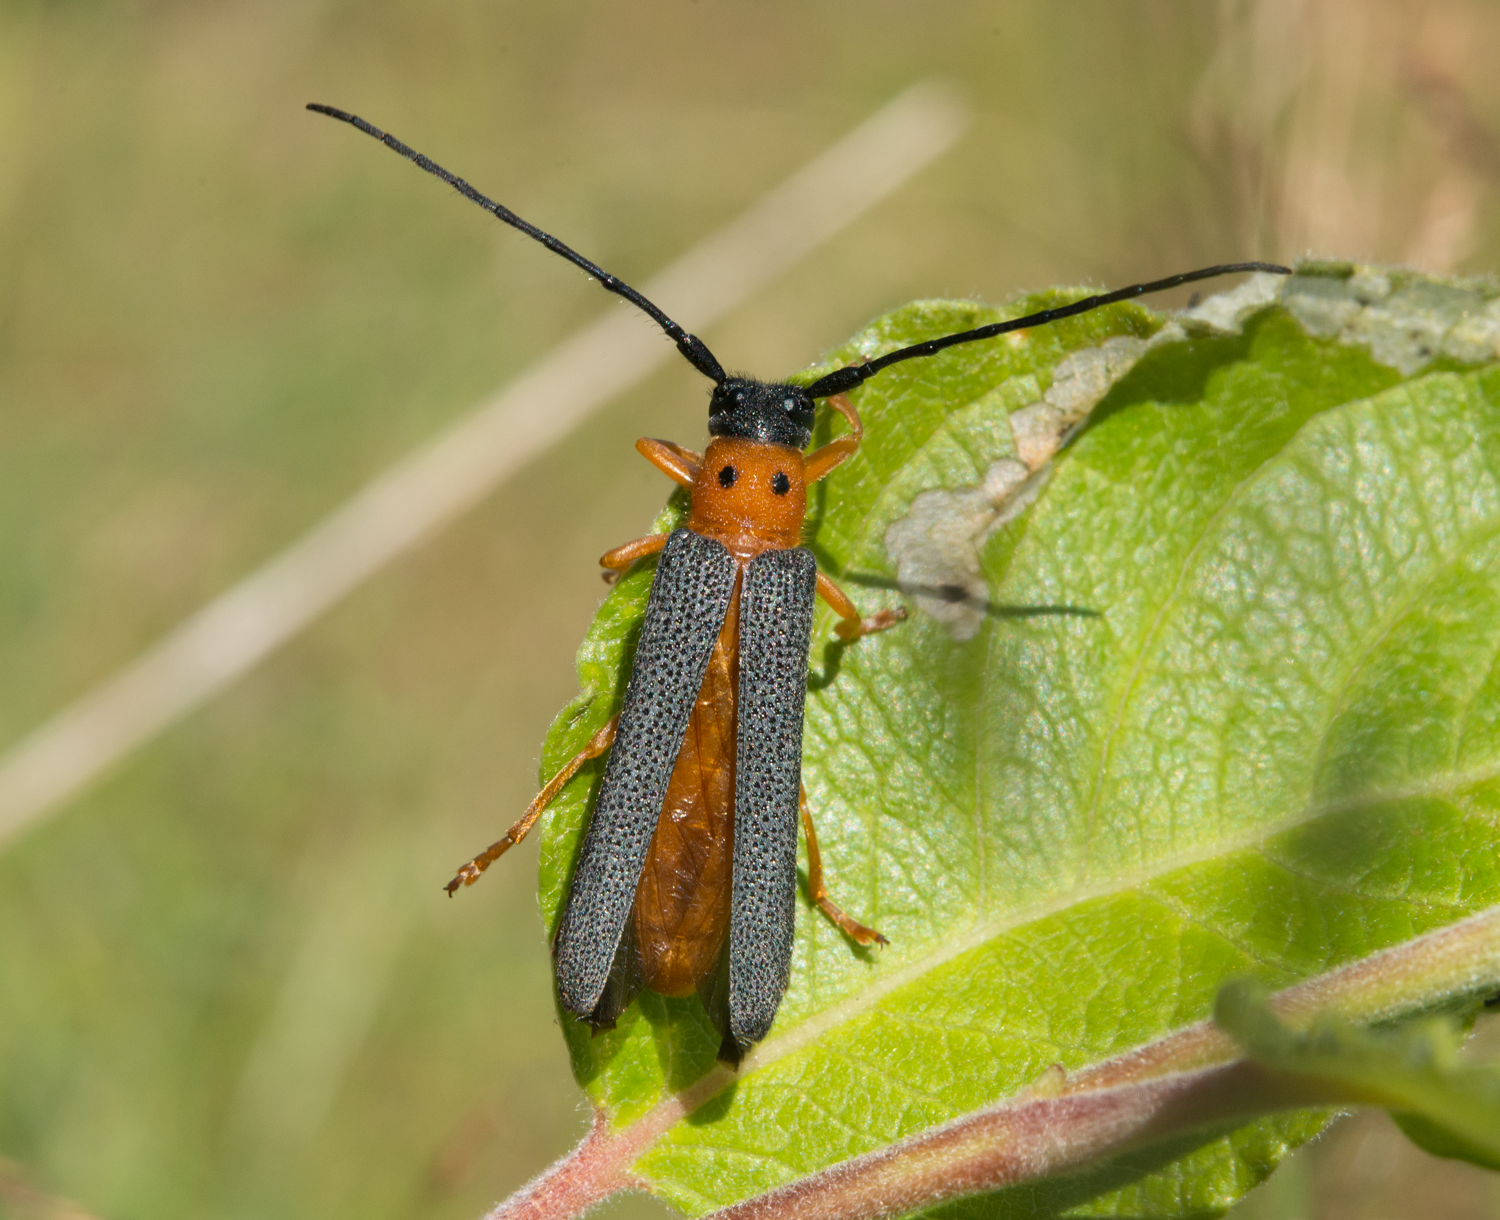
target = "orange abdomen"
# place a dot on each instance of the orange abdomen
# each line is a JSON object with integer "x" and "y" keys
{"x": 682, "y": 902}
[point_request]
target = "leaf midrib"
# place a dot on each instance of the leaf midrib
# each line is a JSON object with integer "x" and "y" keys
{"x": 783, "y": 1044}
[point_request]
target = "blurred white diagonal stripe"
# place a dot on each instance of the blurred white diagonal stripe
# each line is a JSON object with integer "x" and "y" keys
{"x": 438, "y": 482}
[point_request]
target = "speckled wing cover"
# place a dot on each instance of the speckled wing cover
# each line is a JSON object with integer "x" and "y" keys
{"x": 776, "y": 610}
{"x": 689, "y": 599}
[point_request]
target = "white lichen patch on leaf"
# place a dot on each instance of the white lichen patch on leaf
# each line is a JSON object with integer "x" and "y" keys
{"x": 1225, "y": 313}
{"x": 936, "y": 546}
{"x": 1405, "y": 319}
{"x": 1078, "y": 383}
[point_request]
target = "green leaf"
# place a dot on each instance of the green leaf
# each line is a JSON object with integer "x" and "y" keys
{"x": 1223, "y": 701}
{"x": 1451, "y": 1109}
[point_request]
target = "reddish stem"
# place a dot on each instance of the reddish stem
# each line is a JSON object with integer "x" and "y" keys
{"x": 1179, "y": 1083}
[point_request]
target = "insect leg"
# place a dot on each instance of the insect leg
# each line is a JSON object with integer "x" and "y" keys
{"x": 851, "y": 626}
{"x": 597, "y": 745}
{"x": 671, "y": 459}
{"x": 617, "y": 560}
{"x": 823, "y": 461}
{"x": 850, "y": 927}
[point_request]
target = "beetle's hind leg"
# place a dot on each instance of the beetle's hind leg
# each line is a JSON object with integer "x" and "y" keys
{"x": 851, "y": 626}
{"x": 597, "y": 745}
{"x": 851, "y": 927}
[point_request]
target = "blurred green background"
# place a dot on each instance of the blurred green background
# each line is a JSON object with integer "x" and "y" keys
{"x": 230, "y": 983}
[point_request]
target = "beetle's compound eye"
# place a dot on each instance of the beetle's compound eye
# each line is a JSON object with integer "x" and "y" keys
{"x": 726, "y": 476}
{"x": 789, "y": 405}
{"x": 780, "y": 484}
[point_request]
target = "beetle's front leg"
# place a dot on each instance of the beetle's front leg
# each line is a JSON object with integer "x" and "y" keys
{"x": 678, "y": 464}
{"x": 851, "y": 626}
{"x": 822, "y": 462}
{"x": 616, "y": 561}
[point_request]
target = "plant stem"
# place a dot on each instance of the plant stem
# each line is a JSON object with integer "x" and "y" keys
{"x": 1186, "y": 1081}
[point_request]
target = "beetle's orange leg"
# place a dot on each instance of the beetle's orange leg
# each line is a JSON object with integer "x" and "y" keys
{"x": 852, "y": 928}
{"x": 824, "y": 461}
{"x": 851, "y": 626}
{"x": 671, "y": 459}
{"x": 598, "y": 744}
{"x": 617, "y": 560}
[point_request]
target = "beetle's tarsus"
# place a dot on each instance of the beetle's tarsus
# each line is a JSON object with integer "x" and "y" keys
{"x": 818, "y": 892}
{"x": 848, "y": 925}
{"x": 850, "y": 629}
{"x": 472, "y": 871}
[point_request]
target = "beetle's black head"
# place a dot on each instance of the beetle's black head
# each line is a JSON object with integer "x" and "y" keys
{"x": 761, "y": 411}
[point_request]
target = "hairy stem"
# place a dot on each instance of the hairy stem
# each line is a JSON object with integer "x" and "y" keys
{"x": 1189, "y": 1080}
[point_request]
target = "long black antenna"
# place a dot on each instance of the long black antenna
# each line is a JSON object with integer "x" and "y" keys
{"x": 847, "y": 378}
{"x": 690, "y": 346}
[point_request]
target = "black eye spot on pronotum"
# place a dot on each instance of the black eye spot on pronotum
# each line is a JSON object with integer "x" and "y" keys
{"x": 726, "y": 476}
{"x": 780, "y": 484}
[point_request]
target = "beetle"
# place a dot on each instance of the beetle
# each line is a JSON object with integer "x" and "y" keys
{"x": 686, "y": 879}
